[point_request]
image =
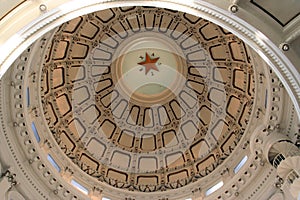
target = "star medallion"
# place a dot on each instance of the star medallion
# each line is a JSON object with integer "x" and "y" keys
{"x": 149, "y": 64}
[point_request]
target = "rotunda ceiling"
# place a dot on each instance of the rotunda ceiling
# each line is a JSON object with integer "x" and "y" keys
{"x": 146, "y": 99}
{"x": 146, "y": 102}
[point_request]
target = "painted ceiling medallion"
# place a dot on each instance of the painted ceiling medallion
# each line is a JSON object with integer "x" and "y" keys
{"x": 149, "y": 63}
{"x": 163, "y": 65}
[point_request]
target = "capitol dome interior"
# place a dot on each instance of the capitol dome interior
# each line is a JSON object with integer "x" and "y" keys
{"x": 150, "y": 100}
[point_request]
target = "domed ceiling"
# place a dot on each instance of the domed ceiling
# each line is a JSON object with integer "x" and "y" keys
{"x": 135, "y": 101}
{"x": 146, "y": 99}
{"x": 103, "y": 102}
